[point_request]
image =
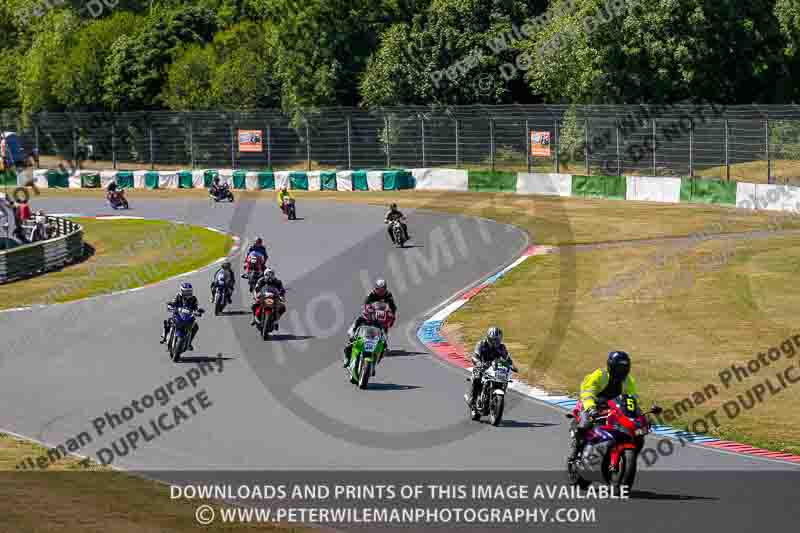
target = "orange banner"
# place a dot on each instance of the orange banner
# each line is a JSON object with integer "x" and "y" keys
{"x": 250, "y": 141}
{"x": 540, "y": 143}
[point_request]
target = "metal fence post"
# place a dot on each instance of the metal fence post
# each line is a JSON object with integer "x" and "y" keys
{"x": 528, "y": 145}
{"x": 233, "y": 150}
{"x": 152, "y": 160}
{"x": 655, "y": 172}
{"x": 114, "y": 144}
{"x": 727, "y": 160}
{"x": 586, "y": 146}
{"x": 619, "y": 158}
{"x": 308, "y": 146}
{"x": 557, "y": 140}
{"x": 74, "y": 145}
{"x": 691, "y": 148}
{"x": 349, "y": 146}
{"x": 458, "y": 160}
{"x": 191, "y": 142}
{"x": 491, "y": 141}
{"x": 36, "y": 149}
{"x": 269, "y": 146}
{"x": 422, "y": 129}
{"x": 766, "y": 144}
{"x": 388, "y": 124}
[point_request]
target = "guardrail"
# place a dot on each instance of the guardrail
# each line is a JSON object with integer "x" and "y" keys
{"x": 64, "y": 246}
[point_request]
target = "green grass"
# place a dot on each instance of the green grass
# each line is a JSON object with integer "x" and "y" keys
{"x": 126, "y": 254}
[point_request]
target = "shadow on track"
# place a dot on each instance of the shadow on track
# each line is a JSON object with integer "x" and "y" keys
{"x": 647, "y": 495}
{"x": 202, "y": 359}
{"x": 289, "y": 337}
{"x": 517, "y": 424}
{"x": 391, "y": 386}
{"x": 403, "y": 353}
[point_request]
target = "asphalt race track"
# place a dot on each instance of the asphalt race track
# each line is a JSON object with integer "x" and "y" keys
{"x": 285, "y": 404}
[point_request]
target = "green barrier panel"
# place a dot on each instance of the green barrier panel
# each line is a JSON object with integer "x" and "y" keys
{"x": 298, "y": 181}
{"x": 90, "y": 181}
{"x": 394, "y": 180}
{"x": 708, "y": 191}
{"x": 209, "y": 175}
{"x": 266, "y": 180}
{"x": 360, "y": 180}
{"x": 57, "y": 179}
{"x": 151, "y": 180}
{"x": 492, "y": 181}
{"x": 327, "y": 181}
{"x": 599, "y": 186}
{"x": 124, "y": 180}
{"x": 184, "y": 179}
{"x": 239, "y": 179}
{"x": 8, "y": 177}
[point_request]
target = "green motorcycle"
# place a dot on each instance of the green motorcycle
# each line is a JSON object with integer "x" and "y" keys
{"x": 366, "y": 353}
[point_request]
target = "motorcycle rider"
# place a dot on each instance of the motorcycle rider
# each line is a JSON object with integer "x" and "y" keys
{"x": 257, "y": 249}
{"x": 271, "y": 282}
{"x": 284, "y": 194}
{"x": 368, "y": 317}
{"x": 230, "y": 283}
{"x": 379, "y": 294}
{"x": 391, "y": 216}
{"x": 184, "y": 298}
{"x": 597, "y": 388}
{"x": 215, "y": 190}
{"x": 487, "y": 350}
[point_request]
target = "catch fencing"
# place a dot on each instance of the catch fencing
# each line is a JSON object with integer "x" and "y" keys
{"x": 64, "y": 246}
{"x": 755, "y": 143}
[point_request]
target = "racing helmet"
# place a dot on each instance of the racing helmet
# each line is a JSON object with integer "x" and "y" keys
{"x": 380, "y": 287}
{"x": 269, "y": 274}
{"x": 186, "y": 289}
{"x": 259, "y": 242}
{"x": 495, "y": 336}
{"x": 226, "y": 265}
{"x": 619, "y": 364}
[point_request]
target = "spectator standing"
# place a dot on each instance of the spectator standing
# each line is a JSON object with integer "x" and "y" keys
{"x": 40, "y": 232}
{"x": 24, "y": 211}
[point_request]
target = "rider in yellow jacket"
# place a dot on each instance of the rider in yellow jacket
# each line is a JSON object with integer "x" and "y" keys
{"x": 283, "y": 194}
{"x": 598, "y": 387}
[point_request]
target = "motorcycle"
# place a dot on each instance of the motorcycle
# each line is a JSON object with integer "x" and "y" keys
{"x": 220, "y": 294}
{"x": 491, "y": 398}
{"x": 269, "y": 308}
{"x": 224, "y": 194}
{"x": 612, "y": 448}
{"x": 367, "y": 351}
{"x": 183, "y": 320}
{"x": 117, "y": 200}
{"x": 289, "y": 209}
{"x": 254, "y": 267}
{"x": 397, "y": 232}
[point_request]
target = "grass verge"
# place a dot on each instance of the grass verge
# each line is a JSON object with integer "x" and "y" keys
{"x": 124, "y": 254}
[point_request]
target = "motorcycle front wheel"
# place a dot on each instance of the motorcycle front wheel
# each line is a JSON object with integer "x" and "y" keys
{"x": 365, "y": 373}
{"x": 496, "y": 409}
{"x": 625, "y": 474}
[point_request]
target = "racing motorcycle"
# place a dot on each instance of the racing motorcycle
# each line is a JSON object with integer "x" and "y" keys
{"x": 269, "y": 308}
{"x": 491, "y": 398}
{"x": 117, "y": 200}
{"x": 367, "y": 351}
{"x": 254, "y": 267}
{"x": 397, "y": 232}
{"x": 612, "y": 447}
{"x": 220, "y": 292}
{"x": 182, "y": 323}
{"x": 289, "y": 209}
{"x": 224, "y": 194}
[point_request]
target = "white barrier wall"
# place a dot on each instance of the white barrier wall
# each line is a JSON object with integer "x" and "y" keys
{"x": 314, "y": 182}
{"x": 443, "y": 179}
{"x": 344, "y": 180}
{"x": 745, "y": 195}
{"x": 647, "y": 189}
{"x": 375, "y": 180}
{"x": 775, "y": 197}
{"x": 281, "y": 179}
{"x": 199, "y": 179}
{"x": 547, "y": 184}
{"x": 106, "y": 177}
{"x": 40, "y": 178}
{"x": 75, "y": 180}
{"x": 251, "y": 181}
{"x": 138, "y": 179}
{"x": 167, "y": 179}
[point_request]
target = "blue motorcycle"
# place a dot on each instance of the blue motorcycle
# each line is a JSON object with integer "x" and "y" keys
{"x": 183, "y": 320}
{"x": 221, "y": 292}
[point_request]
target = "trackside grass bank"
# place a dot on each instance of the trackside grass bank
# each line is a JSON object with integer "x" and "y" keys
{"x": 122, "y": 254}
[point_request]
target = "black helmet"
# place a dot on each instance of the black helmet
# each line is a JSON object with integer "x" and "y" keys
{"x": 393, "y": 207}
{"x": 619, "y": 364}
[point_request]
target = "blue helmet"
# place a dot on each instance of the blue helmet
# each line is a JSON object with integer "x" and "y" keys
{"x": 619, "y": 364}
{"x": 186, "y": 289}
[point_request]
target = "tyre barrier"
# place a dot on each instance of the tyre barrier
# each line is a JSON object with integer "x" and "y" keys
{"x": 64, "y": 246}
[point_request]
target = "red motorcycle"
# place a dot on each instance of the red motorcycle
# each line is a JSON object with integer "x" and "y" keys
{"x": 612, "y": 447}
{"x": 268, "y": 311}
{"x": 254, "y": 266}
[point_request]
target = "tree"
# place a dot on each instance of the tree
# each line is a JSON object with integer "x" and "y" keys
{"x": 451, "y": 53}
{"x": 135, "y": 72}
